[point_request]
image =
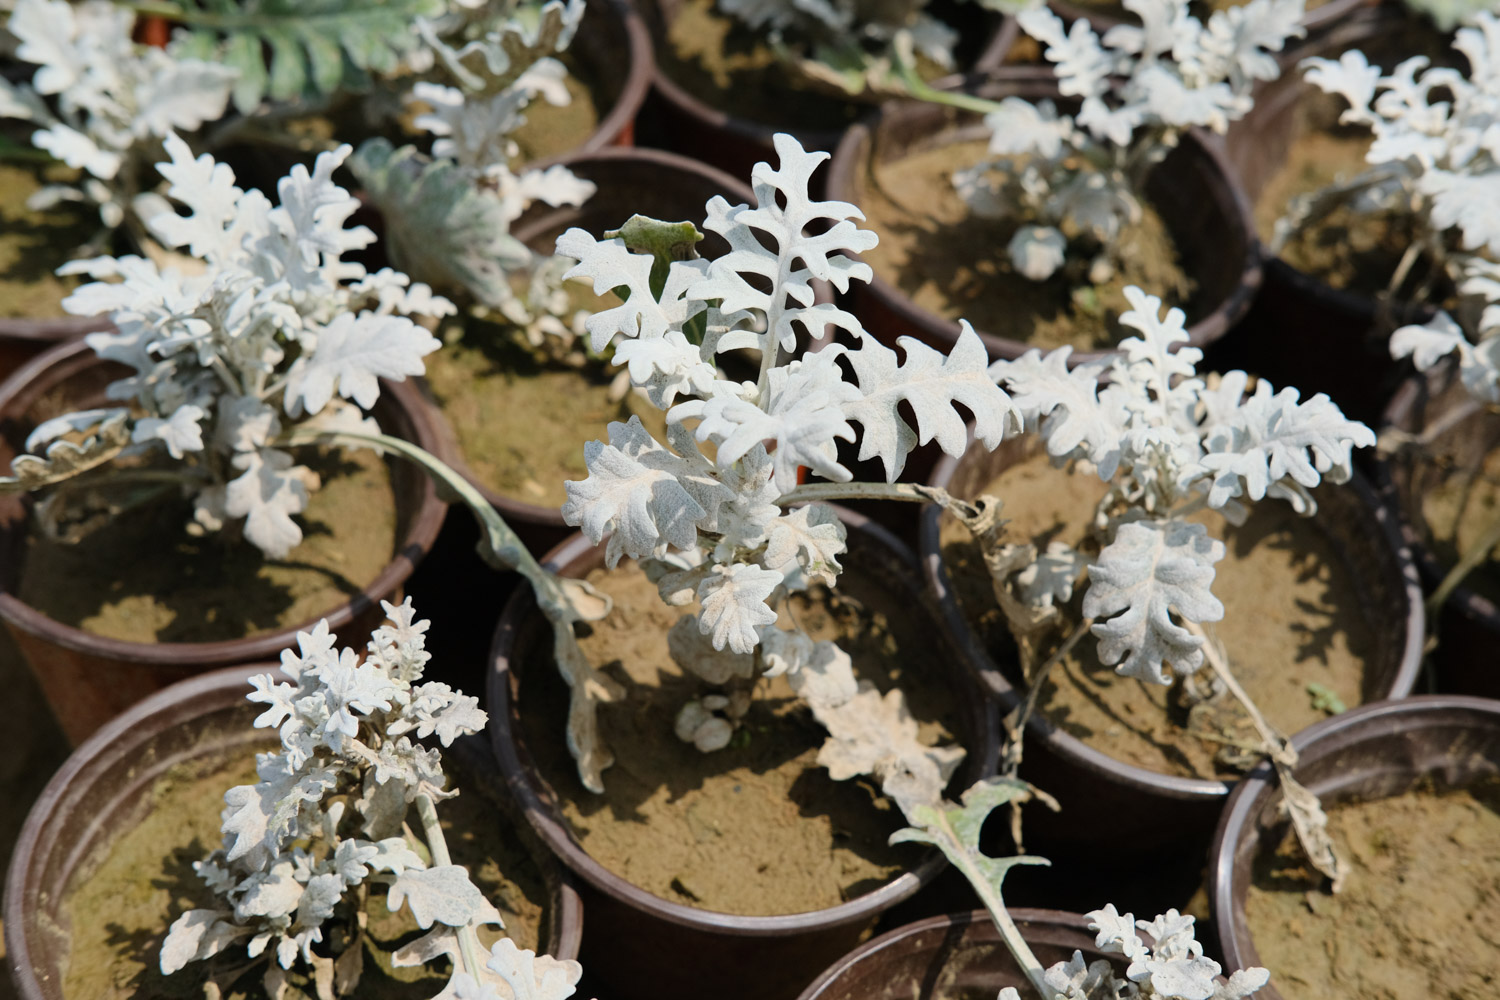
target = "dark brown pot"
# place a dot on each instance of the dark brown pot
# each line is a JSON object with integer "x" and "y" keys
{"x": 1372, "y": 752}
{"x": 1468, "y": 627}
{"x": 23, "y": 338}
{"x": 630, "y": 181}
{"x": 1205, "y": 212}
{"x": 684, "y": 122}
{"x": 643, "y": 946}
{"x": 1146, "y": 808}
{"x": 1104, "y": 17}
{"x": 956, "y": 955}
{"x": 105, "y": 786}
{"x": 87, "y": 678}
{"x": 1302, "y": 331}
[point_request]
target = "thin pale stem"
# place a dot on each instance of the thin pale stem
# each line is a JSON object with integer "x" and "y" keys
{"x": 1015, "y": 722}
{"x": 909, "y": 492}
{"x": 1403, "y": 269}
{"x": 1276, "y": 745}
{"x": 437, "y": 844}
{"x": 1476, "y": 554}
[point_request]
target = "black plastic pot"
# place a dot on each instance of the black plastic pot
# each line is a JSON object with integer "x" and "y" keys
{"x": 1371, "y": 752}
{"x": 1148, "y": 809}
{"x": 643, "y": 946}
{"x": 88, "y": 678}
{"x": 1468, "y": 627}
{"x": 1207, "y": 216}
{"x": 106, "y": 786}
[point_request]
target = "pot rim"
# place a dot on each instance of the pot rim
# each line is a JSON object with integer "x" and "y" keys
{"x": 1254, "y": 793}
{"x": 448, "y": 448}
{"x": 420, "y": 534}
{"x": 43, "y": 330}
{"x": 174, "y": 705}
{"x": 1398, "y": 412}
{"x": 897, "y": 937}
{"x": 747, "y": 130}
{"x": 640, "y": 59}
{"x": 1032, "y": 81}
{"x": 553, "y": 829}
{"x": 1067, "y": 746}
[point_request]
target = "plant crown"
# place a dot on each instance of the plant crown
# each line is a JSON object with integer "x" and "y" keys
{"x": 291, "y": 874}
{"x": 1076, "y": 181}
{"x": 271, "y": 329}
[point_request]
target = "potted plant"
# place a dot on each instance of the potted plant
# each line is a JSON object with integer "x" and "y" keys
{"x": 1006, "y": 196}
{"x": 1410, "y": 786}
{"x": 1112, "y": 560}
{"x": 174, "y": 478}
{"x": 321, "y": 873}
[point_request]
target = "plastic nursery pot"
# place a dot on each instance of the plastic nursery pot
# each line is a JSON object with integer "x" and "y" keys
{"x": 1372, "y": 752}
{"x": 643, "y": 946}
{"x": 688, "y": 123}
{"x": 106, "y": 787}
{"x": 1148, "y": 809}
{"x": 1464, "y": 432}
{"x": 23, "y": 338}
{"x": 1104, "y": 15}
{"x": 87, "y": 678}
{"x": 1204, "y": 211}
{"x": 960, "y": 954}
{"x": 646, "y": 181}
{"x": 1302, "y": 331}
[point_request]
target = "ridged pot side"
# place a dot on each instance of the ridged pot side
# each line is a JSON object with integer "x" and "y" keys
{"x": 1193, "y": 190}
{"x": 958, "y": 954}
{"x": 630, "y": 181}
{"x": 644, "y": 946}
{"x": 87, "y": 678}
{"x": 1148, "y": 809}
{"x": 733, "y": 143}
{"x": 108, "y": 780}
{"x": 1302, "y": 331}
{"x": 1371, "y": 752}
{"x": 1468, "y": 626}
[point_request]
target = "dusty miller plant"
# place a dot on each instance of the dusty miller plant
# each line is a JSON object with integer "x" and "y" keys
{"x": 1168, "y": 443}
{"x": 102, "y": 103}
{"x": 448, "y": 215}
{"x": 228, "y": 361}
{"x": 1171, "y": 967}
{"x": 1449, "y": 14}
{"x": 722, "y": 530}
{"x": 1075, "y": 182}
{"x": 327, "y": 825}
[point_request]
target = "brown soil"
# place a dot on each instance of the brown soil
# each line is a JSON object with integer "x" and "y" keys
{"x": 550, "y": 130}
{"x": 757, "y": 828}
{"x": 955, "y": 264}
{"x": 502, "y": 401}
{"x": 1291, "y": 620}
{"x": 1458, "y": 509}
{"x": 141, "y": 577}
{"x": 34, "y": 244}
{"x": 124, "y": 898}
{"x": 1419, "y": 914}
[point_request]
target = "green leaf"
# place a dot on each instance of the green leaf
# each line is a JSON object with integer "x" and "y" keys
{"x": 664, "y": 241}
{"x": 954, "y": 830}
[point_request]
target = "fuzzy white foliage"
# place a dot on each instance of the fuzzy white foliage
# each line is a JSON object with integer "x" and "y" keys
{"x": 1071, "y": 177}
{"x": 286, "y": 860}
{"x": 100, "y": 100}
{"x": 1162, "y": 437}
{"x": 275, "y": 330}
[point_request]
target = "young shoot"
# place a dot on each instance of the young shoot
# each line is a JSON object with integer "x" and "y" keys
{"x": 1171, "y": 966}
{"x": 263, "y": 336}
{"x": 1075, "y": 182}
{"x": 726, "y": 532}
{"x": 330, "y": 822}
{"x": 1169, "y": 443}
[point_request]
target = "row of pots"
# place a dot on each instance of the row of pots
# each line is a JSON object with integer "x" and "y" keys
{"x": 641, "y": 946}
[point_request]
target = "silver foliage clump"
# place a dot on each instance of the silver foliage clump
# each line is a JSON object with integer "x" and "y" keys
{"x": 449, "y": 214}
{"x": 263, "y": 330}
{"x": 101, "y": 103}
{"x": 1076, "y": 181}
{"x": 714, "y": 529}
{"x": 1168, "y": 443}
{"x": 327, "y": 824}
{"x": 1435, "y": 158}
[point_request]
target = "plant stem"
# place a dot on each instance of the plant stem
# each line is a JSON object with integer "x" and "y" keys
{"x": 1274, "y": 741}
{"x": 1015, "y": 723}
{"x": 432, "y": 832}
{"x": 1476, "y": 554}
{"x": 909, "y": 492}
